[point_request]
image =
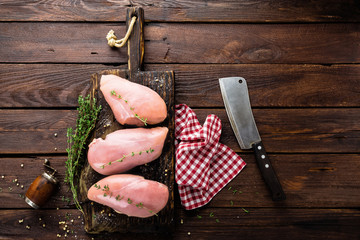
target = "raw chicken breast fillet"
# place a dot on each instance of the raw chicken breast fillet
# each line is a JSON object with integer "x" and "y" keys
{"x": 126, "y": 148}
{"x": 132, "y": 103}
{"x": 130, "y": 194}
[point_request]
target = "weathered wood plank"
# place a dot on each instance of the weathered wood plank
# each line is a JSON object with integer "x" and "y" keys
{"x": 270, "y": 85}
{"x": 233, "y": 223}
{"x": 183, "y": 43}
{"x": 183, "y": 10}
{"x": 42, "y": 85}
{"x": 35, "y": 131}
{"x": 270, "y": 223}
{"x": 298, "y": 130}
{"x": 333, "y": 130}
{"x": 309, "y": 181}
{"x": 317, "y": 180}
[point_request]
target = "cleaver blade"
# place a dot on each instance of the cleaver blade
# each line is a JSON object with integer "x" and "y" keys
{"x": 235, "y": 94}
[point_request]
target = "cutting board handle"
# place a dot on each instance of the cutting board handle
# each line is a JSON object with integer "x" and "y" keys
{"x": 135, "y": 41}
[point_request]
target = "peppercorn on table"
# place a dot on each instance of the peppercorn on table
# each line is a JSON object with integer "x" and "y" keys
{"x": 301, "y": 63}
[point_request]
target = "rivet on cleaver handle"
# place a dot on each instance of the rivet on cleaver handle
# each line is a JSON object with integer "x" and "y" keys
{"x": 237, "y": 103}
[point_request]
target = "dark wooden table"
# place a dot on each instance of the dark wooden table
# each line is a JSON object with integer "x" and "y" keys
{"x": 301, "y": 60}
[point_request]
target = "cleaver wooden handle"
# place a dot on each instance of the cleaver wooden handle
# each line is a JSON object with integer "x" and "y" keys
{"x": 268, "y": 172}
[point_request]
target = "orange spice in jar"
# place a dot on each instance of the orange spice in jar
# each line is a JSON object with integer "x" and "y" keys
{"x": 41, "y": 190}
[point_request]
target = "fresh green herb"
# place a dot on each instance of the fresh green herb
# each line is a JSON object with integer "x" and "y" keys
{"x": 129, "y": 201}
{"x": 217, "y": 220}
{"x": 234, "y": 192}
{"x": 106, "y": 188}
{"x": 211, "y": 214}
{"x": 245, "y": 210}
{"x": 125, "y": 156}
{"x": 85, "y": 123}
{"x": 143, "y": 120}
{"x": 231, "y": 203}
{"x": 152, "y": 212}
{"x": 199, "y": 217}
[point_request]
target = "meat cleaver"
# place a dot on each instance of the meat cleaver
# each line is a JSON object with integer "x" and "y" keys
{"x": 237, "y": 103}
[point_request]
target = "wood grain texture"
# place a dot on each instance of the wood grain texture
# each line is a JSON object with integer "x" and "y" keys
{"x": 233, "y": 223}
{"x": 44, "y": 85}
{"x": 58, "y": 85}
{"x": 309, "y": 181}
{"x": 334, "y": 130}
{"x": 33, "y": 131}
{"x": 136, "y": 44}
{"x": 270, "y": 223}
{"x": 182, "y": 43}
{"x": 270, "y": 85}
{"x": 183, "y": 11}
{"x": 298, "y": 130}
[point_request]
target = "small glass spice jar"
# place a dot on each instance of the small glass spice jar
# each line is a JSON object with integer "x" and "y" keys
{"x": 41, "y": 189}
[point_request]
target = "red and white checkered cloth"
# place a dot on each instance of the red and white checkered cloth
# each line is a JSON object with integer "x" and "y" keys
{"x": 203, "y": 165}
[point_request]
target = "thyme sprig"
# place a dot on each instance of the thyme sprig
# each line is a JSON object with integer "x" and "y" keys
{"x": 150, "y": 150}
{"x": 76, "y": 139}
{"x": 143, "y": 120}
{"x": 109, "y": 194}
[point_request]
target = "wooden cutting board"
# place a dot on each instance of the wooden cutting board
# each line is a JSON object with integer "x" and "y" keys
{"x": 98, "y": 217}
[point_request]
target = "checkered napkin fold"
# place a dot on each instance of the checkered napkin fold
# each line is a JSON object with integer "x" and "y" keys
{"x": 203, "y": 165}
